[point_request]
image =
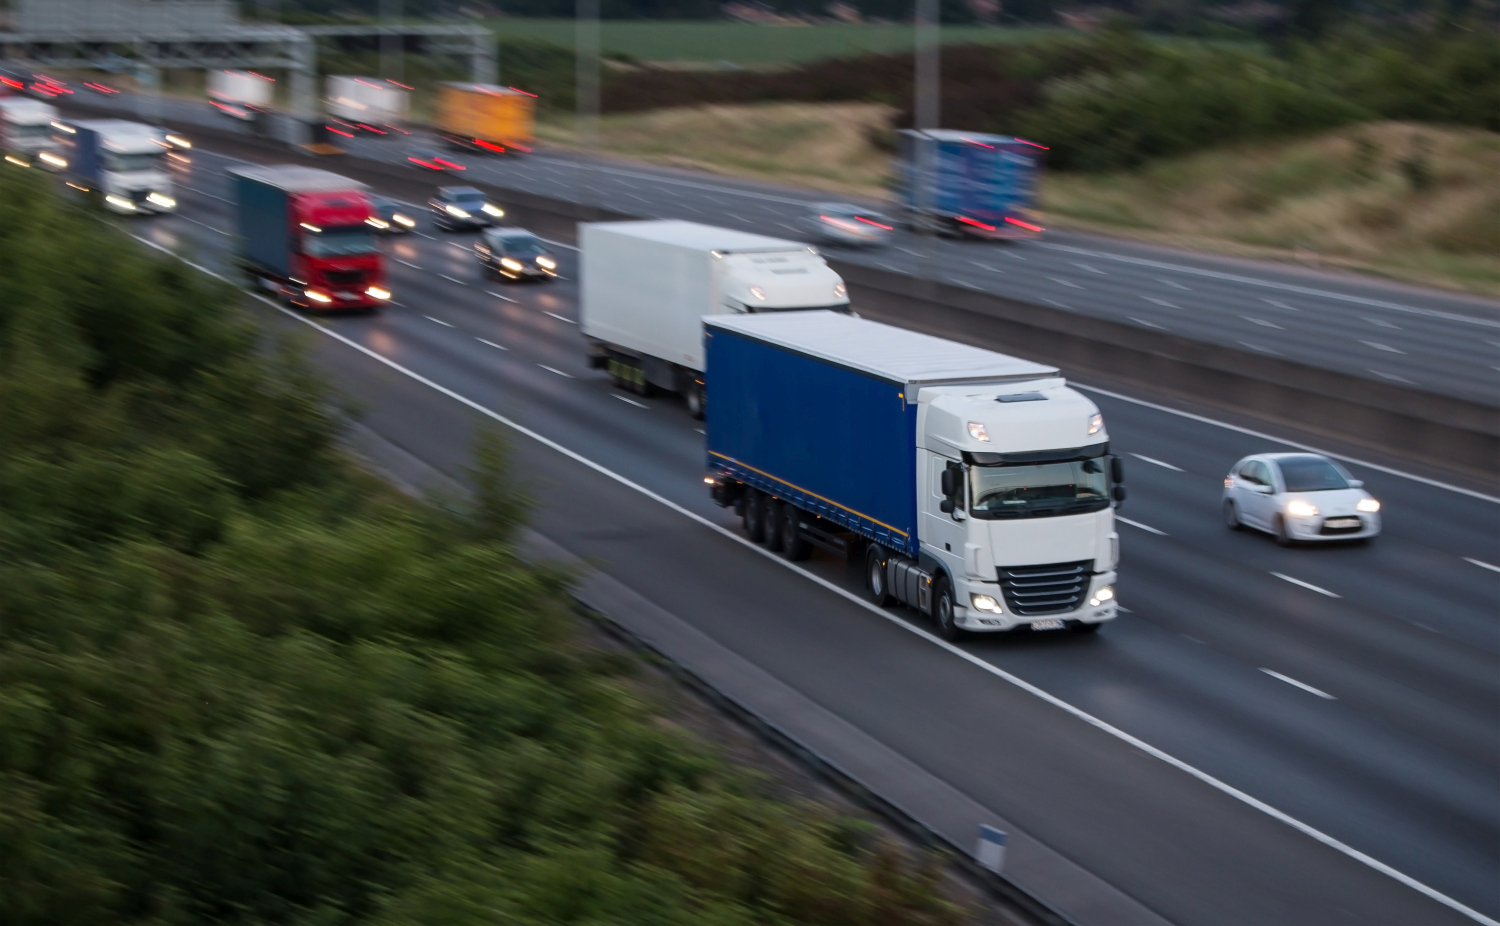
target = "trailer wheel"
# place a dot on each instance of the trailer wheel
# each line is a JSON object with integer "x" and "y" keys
{"x": 755, "y": 516}
{"x": 875, "y": 584}
{"x": 775, "y": 522}
{"x": 793, "y": 542}
{"x": 942, "y": 610}
{"x": 693, "y": 394}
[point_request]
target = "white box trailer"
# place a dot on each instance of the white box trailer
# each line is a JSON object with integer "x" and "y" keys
{"x": 645, "y": 288}
{"x": 366, "y": 103}
{"x": 240, "y": 94}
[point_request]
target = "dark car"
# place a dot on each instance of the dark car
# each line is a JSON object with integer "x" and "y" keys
{"x": 431, "y": 160}
{"x": 456, "y": 207}
{"x": 391, "y": 217}
{"x": 515, "y": 254}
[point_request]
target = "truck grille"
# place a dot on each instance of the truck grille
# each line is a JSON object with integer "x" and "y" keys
{"x": 345, "y": 277}
{"x": 1052, "y": 589}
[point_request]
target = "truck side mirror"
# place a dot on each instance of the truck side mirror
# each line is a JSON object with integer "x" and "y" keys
{"x": 946, "y": 506}
{"x": 1116, "y": 470}
{"x": 1119, "y": 494}
{"x": 950, "y": 484}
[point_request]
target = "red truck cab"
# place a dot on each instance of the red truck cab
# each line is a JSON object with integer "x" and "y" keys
{"x": 310, "y": 234}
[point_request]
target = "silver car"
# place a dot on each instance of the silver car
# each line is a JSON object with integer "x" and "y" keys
{"x": 1299, "y": 497}
{"x": 848, "y": 225}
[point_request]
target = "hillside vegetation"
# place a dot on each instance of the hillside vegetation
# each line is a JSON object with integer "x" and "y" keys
{"x": 243, "y": 682}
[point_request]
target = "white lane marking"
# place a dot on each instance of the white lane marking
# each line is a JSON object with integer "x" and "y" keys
{"x": 1172, "y": 283}
{"x": 560, "y": 318}
{"x": 630, "y": 401}
{"x": 700, "y": 430}
{"x": 1381, "y": 323}
{"x": 1145, "y": 527}
{"x": 1272, "y": 284}
{"x": 1262, "y": 322}
{"x": 1385, "y": 347}
{"x": 1162, "y": 302}
{"x": 204, "y": 224}
{"x": 454, "y": 279}
{"x": 1013, "y": 256}
{"x": 424, "y": 234}
{"x": 1393, "y": 377}
{"x": 491, "y": 292}
{"x": 1060, "y": 305}
{"x": 1280, "y": 305}
{"x": 1481, "y": 564}
{"x": 492, "y": 344}
{"x": 1015, "y": 680}
{"x": 461, "y": 249}
{"x": 1303, "y": 685}
{"x": 1141, "y": 456}
{"x": 1261, "y": 348}
{"x": 408, "y": 263}
{"x": 1142, "y": 321}
{"x": 208, "y": 194}
{"x": 1089, "y": 268}
{"x": 438, "y": 320}
{"x": 1306, "y": 585}
{"x": 1065, "y": 282}
{"x": 1202, "y": 419}
{"x": 986, "y": 267}
{"x": 555, "y": 370}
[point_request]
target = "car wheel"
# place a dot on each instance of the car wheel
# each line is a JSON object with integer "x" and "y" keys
{"x": 755, "y": 516}
{"x": 793, "y": 542}
{"x": 774, "y": 524}
{"x": 1232, "y": 516}
{"x": 1280, "y": 532}
{"x": 942, "y": 611}
{"x": 875, "y": 585}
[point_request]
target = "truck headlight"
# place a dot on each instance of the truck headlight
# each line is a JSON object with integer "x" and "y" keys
{"x": 120, "y": 202}
{"x": 546, "y": 262}
{"x": 840, "y": 291}
{"x": 494, "y": 210}
{"x": 456, "y": 212}
{"x": 378, "y": 292}
{"x": 986, "y": 603}
{"x": 1107, "y": 593}
{"x": 317, "y": 295}
{"x": 758, "y": 293}
{"x": 179, "y": 141}
{"x": 403, "y": 221}
{"x": 47, "y": 157}
{"x": 1369, "y": 505}
{"x": 1297, "y": 508}
{"x": 18, "y": 161}
{"x": 378, "y": 223}
{"x": 510, "y": 263}
{"x": 1096, "y": 424}
{"x": 161, "y": 200}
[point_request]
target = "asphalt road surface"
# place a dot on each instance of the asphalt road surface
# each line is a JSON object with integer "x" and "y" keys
{"x": 1282, "y": 700}
{"x": 1435, "y": 341}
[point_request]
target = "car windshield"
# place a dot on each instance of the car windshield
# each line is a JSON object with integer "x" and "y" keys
{"x": 340, "y": 241}
{"x": 126, "y": 163}
{"x": 1311, "y": 474}
{"x": 519, "y": 246}
{"x": 463, "y": 197}
{"x": 1037, "y": 489}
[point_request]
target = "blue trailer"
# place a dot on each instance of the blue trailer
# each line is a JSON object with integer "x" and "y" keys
{"x": 977, "y": 185}
{"x": 977, "y": 486}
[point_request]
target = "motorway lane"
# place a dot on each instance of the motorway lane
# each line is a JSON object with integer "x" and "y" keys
{"x": 1402, "y": 764}
{"x": 1436, "y": 341}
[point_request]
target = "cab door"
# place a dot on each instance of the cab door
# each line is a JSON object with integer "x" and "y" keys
{"x": 943, "y": 533}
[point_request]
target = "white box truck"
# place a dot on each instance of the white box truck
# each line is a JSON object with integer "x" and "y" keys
{"x": 240, "y": 94}
{"x": 369, "y": 105}
{"x": 645, "y": 288}
{"x": 124, "y": 162}
{"x": 26, "y": 133}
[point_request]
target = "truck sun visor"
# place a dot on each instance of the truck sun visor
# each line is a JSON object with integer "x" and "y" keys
{"x": 1021, "y": 397}
{"x": 1040, "y": 456}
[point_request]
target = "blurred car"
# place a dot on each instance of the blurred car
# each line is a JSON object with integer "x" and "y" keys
{"x": 433, "y": 161}
{"x": 458, "y": 207}
{"x": 515, "y": 254}
{"x": 391, "y": 217}
{"x": 1299, "y": 497}
{"x": 848, "y": 224}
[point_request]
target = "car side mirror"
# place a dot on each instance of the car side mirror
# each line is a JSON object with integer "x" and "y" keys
{"x": 950, "y": 482}
{"x": 1116, "y": 469}
{"x": 1357, "y": 483}
{"x": 1263, "y": 489}
{"x": 1119, "y": 494}
{"x": 946, "y": 506}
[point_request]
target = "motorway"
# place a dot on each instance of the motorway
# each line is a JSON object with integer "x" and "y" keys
{"x": 1351, "y": 689}
{"x": 1425, "y": 339}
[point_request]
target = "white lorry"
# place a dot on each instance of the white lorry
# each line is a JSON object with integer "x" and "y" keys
{"x": 366, "y": 104}
{"x": 26, "y": 133}
{"x": 240, "y": 94}
{"x": 124, "y": 162}
{"x": 645, "y": 288}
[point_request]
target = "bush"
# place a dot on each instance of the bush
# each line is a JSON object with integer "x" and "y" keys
{"x": 243, "y": 682}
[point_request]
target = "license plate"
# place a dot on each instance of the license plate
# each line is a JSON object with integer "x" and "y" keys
{"x": 1051, "y": 623}
{"x": 1341, "y": 522}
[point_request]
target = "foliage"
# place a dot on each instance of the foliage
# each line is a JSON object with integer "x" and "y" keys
{"x": 242, "y": 682}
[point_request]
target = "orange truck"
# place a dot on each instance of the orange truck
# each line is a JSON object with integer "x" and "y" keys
{"x": 486, "y": 117}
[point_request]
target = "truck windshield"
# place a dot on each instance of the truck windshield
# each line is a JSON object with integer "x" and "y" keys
{"x": 1037, "y": 489}
{"x": 41, "y": 130}
{"x": 128, "y": 163}
{"x": 340, "y": 241}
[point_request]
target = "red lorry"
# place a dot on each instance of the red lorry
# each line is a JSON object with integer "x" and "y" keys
{"x": 309, "y": 235}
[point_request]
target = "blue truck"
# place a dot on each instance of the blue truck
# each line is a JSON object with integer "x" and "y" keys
{"x": 978, "y": 488}
{"x": 977, "y": 185}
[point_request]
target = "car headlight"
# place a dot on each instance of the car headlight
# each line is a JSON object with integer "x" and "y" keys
{"x": 1368, "y": 504}
{"x": 986, "y": 603}
{"x": 378, "y": 223}
{"x": 162, "y": 200}
{"x": 1096, "y": 424}
{"x": 1107, "y": 593}
{"x": 317, "y": 295}
{"x": 510, "y": 263}
{"x": 840, "y": 291}
{"x": 758, "y": 293}
{"x": 1297, "y": 508}
{"x": 378, "y": 292}
{"x": 547, "y": 262}
{"x": 400, "y": 219}
{"x": 179, "y": 141}
{"x": 494, "y": 210}
{"x": 456, "y": 212}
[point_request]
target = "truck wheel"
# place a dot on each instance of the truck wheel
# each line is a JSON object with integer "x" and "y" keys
{"x": 793, "y": 542}
{"x": 875, "y": 585}
{"x": 693, "y": 394}
{"x": 755, "y": 516}
{"x": 942, "y": 611}
{"x": 775, "y": 521}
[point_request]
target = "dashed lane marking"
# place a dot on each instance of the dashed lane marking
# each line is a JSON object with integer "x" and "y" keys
{"x": 1141, "y": 456}
{"x": 1303, "y": 685}
{"x": 1139, "y": 526}
{"x": 560, "y": 318}
{"x": 492, "y": 344}
{"x": 630, "y": 401}
{"x": 438, "y": 320}
{"x": 555, "y": 370}
{"x": 1307, "y": 585}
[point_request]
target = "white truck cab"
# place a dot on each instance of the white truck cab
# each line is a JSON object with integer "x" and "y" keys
{"x": 125, "y": 162}
{"x": 1015, "y": 503}
{"x": 26, "y": 133}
